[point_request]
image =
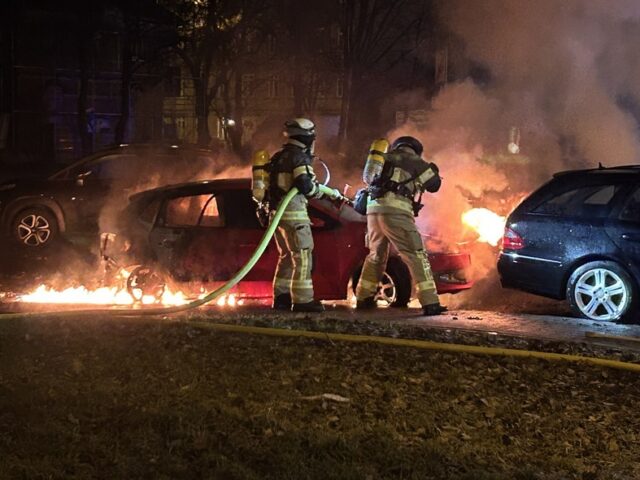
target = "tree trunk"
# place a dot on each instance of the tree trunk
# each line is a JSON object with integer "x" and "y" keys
{"x": 202, "y": 112}
{"x": 125, "y": 87}
{"x": 345, "y": 109}
{"x": 298, "y": 93}
{"x": 237, "y": 112}
{"x": 83, "y": 61}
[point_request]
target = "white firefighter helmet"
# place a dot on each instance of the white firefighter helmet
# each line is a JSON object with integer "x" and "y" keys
{"x": 300, "y": 127}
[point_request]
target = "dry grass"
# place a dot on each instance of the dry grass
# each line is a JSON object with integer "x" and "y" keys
{"x": 104, "y": 398}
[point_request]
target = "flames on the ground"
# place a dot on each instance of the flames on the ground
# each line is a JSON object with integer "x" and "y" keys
{"x": 487, "y": 224}
{"x": 116, "y": 296}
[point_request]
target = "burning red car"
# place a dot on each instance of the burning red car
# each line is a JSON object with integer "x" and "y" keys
{"x": 203, "y": 232}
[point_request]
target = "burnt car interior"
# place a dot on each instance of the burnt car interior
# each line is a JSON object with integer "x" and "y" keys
{"x": 225, "y": 208}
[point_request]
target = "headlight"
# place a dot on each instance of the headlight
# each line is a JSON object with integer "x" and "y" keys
{"x": 7, "y": 186}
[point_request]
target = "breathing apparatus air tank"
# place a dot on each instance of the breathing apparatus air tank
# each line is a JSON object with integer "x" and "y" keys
{"x": 375, "y": 160}
{"x": 260, "y": 178}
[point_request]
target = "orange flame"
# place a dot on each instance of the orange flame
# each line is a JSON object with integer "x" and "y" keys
{"x": 487, "y": 224}
{"x": 114, "y": 296}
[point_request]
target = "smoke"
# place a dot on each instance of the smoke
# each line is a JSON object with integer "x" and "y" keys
{"x": 563, "y": 73}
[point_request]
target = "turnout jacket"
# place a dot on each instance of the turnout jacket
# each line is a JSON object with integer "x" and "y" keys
{"x": 404, "y": 176}
{"x": 291, "y": 167}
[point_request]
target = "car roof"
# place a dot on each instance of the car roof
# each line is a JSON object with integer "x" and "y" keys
{"x": 602, "y": 170}
{"x": 194, "y": 188}
{"x": 134, "y": 148}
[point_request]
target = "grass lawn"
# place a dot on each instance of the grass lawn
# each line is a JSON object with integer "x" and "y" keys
{"x": 117, "y": 398}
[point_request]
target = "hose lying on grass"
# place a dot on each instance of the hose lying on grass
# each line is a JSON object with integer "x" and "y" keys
{"x": 422, "y": 344}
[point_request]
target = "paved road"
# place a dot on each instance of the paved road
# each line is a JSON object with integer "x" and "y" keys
{"x": 544, "y": 327}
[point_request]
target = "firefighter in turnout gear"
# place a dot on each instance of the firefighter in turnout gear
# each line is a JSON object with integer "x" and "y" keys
{"x": 394, "y": 180}
{"x": 291, "y": 167}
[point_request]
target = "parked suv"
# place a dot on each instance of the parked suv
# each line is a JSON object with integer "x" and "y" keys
{"x": 34, "y": 213}
{"x": 578, "y": 238}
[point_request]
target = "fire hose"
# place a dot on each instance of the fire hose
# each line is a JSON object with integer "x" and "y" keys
{"x": 209, "y": 297}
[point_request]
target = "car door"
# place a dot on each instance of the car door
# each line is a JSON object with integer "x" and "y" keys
{"x": 624, "y": 228}
{"x": 245, "y": 232}
{"x": 191, "y": 240}
{"x": 243, "y": 229}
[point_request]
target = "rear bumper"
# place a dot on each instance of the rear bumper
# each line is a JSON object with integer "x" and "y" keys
{"x": 535, "y": 275}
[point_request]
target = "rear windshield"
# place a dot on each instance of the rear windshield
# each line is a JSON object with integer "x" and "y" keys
{"x": 593, "y": 201}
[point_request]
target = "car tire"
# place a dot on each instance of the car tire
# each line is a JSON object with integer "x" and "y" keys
{"x": 34, "y": 228}
{"x": 603, "y": 291}
{"x": 396, "y": 277}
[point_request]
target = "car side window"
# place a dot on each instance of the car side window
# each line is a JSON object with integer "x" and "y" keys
{"x": 112, "y": 167}
{"x": 148, "y": 213}
{"x": 193, "y": 211}
{"x": 631, "y": 210}
{"x": 581, "y": 202}
{"x": 239, "y": 209}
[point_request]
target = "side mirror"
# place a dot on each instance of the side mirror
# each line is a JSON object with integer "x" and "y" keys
{"x": 80, "y": 178}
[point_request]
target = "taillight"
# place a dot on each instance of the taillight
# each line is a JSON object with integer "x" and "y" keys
{"x": 511, "y": 240}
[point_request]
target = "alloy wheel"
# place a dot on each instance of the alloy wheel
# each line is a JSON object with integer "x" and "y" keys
{"x": 387, "y": 291}
{"x": 34, "y": 230}
{"x": 601, "y": 294}
{"x": 143, "y": 283}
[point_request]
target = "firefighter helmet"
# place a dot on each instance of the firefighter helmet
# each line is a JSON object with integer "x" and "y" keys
{"x": 411, "y": 142}
{"x": 301, "y": 129}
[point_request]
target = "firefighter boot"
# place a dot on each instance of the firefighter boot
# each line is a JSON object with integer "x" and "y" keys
{"x": 315, "y": 306}
{"x": 282, "y": 302}
{"x": 433, "y": 309}
{"x": 368, "y": 303}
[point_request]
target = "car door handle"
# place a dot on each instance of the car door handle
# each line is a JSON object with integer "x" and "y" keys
{"x": 631, "y": 237}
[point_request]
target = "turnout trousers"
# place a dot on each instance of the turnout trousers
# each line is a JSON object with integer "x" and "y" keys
{"x": 399, "y": 230}
{"x": 293, "y": 273}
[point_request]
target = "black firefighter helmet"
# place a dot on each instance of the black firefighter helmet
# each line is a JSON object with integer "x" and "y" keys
{"x": 411, "y": 142}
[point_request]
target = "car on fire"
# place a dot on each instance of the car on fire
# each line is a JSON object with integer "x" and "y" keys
{"x": 205, "y": 231}
{"x": 578, "y": 238}
{"x": 36, "y": 212}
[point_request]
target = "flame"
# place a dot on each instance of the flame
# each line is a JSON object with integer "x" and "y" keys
{"x": 487, "y": 224}
{"x": 99, "y": 296}
{"x": 114, "y": 296}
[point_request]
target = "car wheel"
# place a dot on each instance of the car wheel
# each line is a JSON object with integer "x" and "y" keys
{"x": 35, "y": 227}
{"x": 144, "y": 283}
{"x": 602, "y": 291}
{"x": 394, "y": 289}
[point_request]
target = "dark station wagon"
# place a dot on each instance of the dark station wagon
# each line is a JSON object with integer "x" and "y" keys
{"x": 578, "y": 238}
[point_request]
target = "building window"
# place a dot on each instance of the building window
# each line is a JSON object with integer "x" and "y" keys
{"x": 339, "y": 87}
{"x": 271, "y": 44}
{"x": 173, "y": 82}
{"x": 272, "y": 86}
{"x": 248, "y": 84}
{"x": 322, "y": 88}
